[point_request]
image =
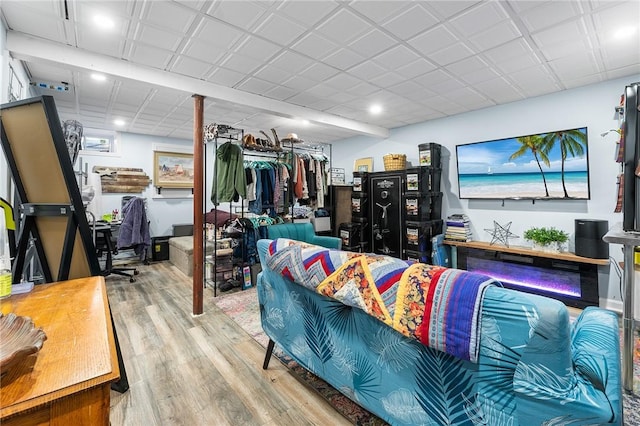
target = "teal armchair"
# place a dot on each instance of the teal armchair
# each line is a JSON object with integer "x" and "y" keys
{"x": 303, "y": 232}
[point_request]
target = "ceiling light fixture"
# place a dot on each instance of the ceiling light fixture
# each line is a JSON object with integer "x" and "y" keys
{"x": 304, "y": 122}
{"x": 98, "y": 77}
{"x": 624, "y": 32}
{"x": 118, "y": 122}
{"x": 103, "y": 22}
{"x": 375, "y": 109}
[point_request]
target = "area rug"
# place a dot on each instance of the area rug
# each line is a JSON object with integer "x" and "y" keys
{"x": 243, "y": 308}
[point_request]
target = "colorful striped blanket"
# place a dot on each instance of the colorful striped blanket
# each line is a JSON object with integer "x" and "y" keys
{"x": 438, "y": 306}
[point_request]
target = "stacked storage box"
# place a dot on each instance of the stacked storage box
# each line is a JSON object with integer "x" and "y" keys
{"x": 353, "y": 233}
{"x": 423, "y": 204}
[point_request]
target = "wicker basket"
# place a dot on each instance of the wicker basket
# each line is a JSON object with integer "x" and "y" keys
{"x": 395, "y": 162}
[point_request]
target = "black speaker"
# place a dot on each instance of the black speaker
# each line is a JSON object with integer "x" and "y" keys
{"x": 589, "y": 243}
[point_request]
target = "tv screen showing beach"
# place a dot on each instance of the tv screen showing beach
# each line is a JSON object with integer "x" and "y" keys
{"x": 552, "y": 165}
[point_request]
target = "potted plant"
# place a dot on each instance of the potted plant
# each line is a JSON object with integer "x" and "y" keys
{"x": 546, "y": 239}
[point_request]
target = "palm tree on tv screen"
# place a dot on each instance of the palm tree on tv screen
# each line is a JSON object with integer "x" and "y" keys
{"x": 537, "y": 145}
{"x": 572, "y": 142}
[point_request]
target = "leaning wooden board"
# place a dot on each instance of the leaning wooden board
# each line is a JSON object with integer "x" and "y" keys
{"x": 122, "y": 179}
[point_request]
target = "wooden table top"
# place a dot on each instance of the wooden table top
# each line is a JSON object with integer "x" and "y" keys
{"x": 79, "y": 352}
{"x": 483, "y": 245}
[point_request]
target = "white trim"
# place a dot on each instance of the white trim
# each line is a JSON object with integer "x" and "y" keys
{"x": 611, "y": 304}
{"x": 184, "y": 149}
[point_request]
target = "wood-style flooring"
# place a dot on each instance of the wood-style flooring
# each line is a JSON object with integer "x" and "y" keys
{"x": 202, "y": 370}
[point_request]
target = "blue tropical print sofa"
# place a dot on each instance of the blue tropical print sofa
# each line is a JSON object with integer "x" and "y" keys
{"x": 534, "y": 366}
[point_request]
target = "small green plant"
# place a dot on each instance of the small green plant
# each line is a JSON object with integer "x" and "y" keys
{"x": 545, "y": 236}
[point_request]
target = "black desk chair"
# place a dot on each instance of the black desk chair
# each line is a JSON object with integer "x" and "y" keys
{"x": 105, "y": 244}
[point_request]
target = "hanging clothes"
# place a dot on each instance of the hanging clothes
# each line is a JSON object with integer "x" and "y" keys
{"x": 229, "y": 183}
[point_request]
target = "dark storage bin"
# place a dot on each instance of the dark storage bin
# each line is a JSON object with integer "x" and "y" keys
{"x": 351, "y": 234}
{"x": 418, "y": 256}
{"x": 418, "y": 235}
{"x": 360, "y": 181}
{"x": 182, "y": 230}
{"x": 419, "y": 207}
{"x": 423, "y": 179}
{"x": 359, "y": 204}
{"x": 429, "y": 154}
{"x": 160, "y": 248}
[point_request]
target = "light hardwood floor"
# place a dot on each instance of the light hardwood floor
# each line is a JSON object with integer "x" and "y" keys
{"x": 204, "y": 370}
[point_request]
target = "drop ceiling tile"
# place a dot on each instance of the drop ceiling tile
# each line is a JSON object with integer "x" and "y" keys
{"x": 513, "y": 49}
{"x": 243, "y": 14}
{"x": 150, "y": 56}
{"x": 343, "y": 98}
{"x": 241, "y": 63}
{"x": 204, "y": 51}
{"x": 342, "y": 111}
{"x": 291, "y": 61}
{"x": 614, "y": 16}
{"x": 322, "y": 91}
{"x": 466, "y": 66}
{"x": 388, "y": 79}
{"x": 407, "y": 24}
{"x": 299, "y": 83}
{"x": 479, "y": 18}
{"x": 273, "y": 74}
{"x": 379, "y": 11}
{"x": 344, "y": 59}
{"x": 45, "y": 25}
{"x": 315, "y": 46}
{"x": 574, "y": 31}
{"x": 438, "y": 81}
{"x": 367, "y": 70}
{"x": 303, "y": 99}
{"x": 257, "y": 48}
{"x": 307, "y": 12}
{"x": 280, "y": 93}
{"x": 342, "y": 81}
{"x": 225, "y": 77}
{"x": 343, "y": 27}
{"x": 534, "y": 81}
{"x": 498, "y": 90}
{"x": 433, "y": 40}
{"x": 158, "y": 12}
{"x": 621, "y": 56}
{"x": 478, "y": 76}
{"x": 441, "y": 103}
{"x": 363, "y": 89}
{"x": 451, "y": 54}
{"x": 560, "y": 50}
{"x": 101, "y": 43}
{"x": 190, "y": 67}
{"x": 318, "y": 71}
{"x": 582, "y": 81}
{"x": 447, "y": 9}
{"x": 255, "y": 85}
{"x": 416, "y": 68}
{"x": 157, "y": 37}
{"x": 624, "y": 71}
{"x": 517, "y": 64}
{"x": 498, "y": 34}
{"x": 217, "y": 33}
{"x": 397, "y": 57}
{"x": 321, "y": 105}
{"x": 549, "y": 14}
{"x": 279, "y": 29}
{"x": 406, "y": 87}
{"x": 372, "y": 43}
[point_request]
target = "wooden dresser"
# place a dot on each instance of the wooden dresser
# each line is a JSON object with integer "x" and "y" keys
{"x": 68, "y": 381}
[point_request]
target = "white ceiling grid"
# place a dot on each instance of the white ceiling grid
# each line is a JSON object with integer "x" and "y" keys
{"x": 420, "y": 60}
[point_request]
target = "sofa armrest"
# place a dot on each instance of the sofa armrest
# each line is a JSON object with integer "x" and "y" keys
{"x": 328, "y": 242}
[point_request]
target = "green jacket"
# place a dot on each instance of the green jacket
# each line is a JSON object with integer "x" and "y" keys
{"x": 229, "y": 180}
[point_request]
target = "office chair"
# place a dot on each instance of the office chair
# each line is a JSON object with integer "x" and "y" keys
{"x": 105, "y": 244}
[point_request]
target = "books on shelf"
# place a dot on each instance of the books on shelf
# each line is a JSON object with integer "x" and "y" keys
{"x": 458, "y": 228}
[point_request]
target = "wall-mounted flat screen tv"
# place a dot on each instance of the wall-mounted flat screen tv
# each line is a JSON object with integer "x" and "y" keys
{"x": 552, "y": 165}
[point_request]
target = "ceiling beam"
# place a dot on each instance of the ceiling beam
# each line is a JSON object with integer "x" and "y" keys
{"x": 28, "y": 48}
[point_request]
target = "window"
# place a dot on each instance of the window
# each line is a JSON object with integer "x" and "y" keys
{"x": 15, "y": 86}
{"x": 99, "y": 142}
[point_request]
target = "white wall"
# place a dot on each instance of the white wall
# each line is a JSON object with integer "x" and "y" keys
{"x": 172, "y": 206}
{"x": 591, "y": 106}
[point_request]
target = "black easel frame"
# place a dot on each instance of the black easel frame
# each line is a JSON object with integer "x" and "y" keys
{"x": 51, "y": 203}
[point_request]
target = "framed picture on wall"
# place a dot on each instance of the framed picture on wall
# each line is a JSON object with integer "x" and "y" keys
{"x": 172, "y": 169}
{"x": 363, "y": 165}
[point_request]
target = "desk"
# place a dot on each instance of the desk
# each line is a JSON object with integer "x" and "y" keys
{"x": 68, "y": 382}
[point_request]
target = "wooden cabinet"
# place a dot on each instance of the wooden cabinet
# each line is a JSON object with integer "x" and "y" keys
{"x": 68, "y": 381}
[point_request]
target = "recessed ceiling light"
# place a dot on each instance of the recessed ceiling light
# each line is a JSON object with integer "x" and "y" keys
{"x": 118, "y": 122}
{"x": 103, "y": 22}
{"x": 304, "y": 122}
{"x": 624, "y": 32}
{"x": 98, "y": 77}
{"x": 375, "y": 109}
